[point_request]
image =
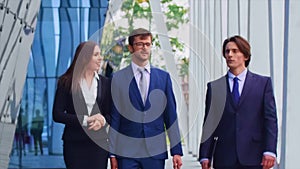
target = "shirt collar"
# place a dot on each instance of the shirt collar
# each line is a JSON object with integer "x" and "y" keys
{"x": 96, "y": 75}
{"x": 135, "y": 67}
{"x": 241, "y": 76}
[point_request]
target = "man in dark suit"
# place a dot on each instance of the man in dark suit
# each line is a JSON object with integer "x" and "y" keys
{"x": 144, "y": 109}
{"x": 240, "y": 125}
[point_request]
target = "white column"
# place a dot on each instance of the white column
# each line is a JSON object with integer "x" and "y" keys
{"x": 277, "y": 40}
{"x": 259, "y": 37}
{"x": 290, "y": 119}
{"x": 232, "y": 18}
{"x": 158, "y": 20}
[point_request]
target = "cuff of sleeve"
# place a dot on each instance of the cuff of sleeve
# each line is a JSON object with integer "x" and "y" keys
{"x": 84, "y": 123}
{"x": 270, "y": 154}
{"x": 104, "y": 121}
{"x": 203, "y": 159}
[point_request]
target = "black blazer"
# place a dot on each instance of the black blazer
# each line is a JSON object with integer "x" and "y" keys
{"x": 70, "y": 108}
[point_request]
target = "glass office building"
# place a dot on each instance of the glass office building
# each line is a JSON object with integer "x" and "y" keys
{"x": 61, "y": 25}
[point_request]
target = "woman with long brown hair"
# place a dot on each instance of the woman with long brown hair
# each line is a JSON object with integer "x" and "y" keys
{"x": 82, "y": 102}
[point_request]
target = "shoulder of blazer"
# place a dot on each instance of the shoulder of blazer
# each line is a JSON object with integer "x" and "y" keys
{"x": 219, "y": 90}
{"x": 255, "y": 75}
{"x": 220, "y": 80}
{"x": 104, "y": 80}
{"x": 123, "y": 73}
{"x": 159, "y": 73}
{"x": 158, "y": 70}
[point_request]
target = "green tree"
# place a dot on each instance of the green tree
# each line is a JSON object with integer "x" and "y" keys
{"x": 140, "y": 9}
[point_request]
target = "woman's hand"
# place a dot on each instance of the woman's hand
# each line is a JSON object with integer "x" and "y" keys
{"x": 96, "y": 122}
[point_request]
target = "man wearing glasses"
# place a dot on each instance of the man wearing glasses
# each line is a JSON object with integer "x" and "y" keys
{"x": 144, "y": 110}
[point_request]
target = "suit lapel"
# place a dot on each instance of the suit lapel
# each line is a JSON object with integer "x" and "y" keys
{"x": 79, "y": 103}
{"x": 133, "y": 88}
{"x": 136, "y": 92}
{"x": 248, "y": 86}
{"x": 99, "y": 99}
{"x": 151, "y": 85}
{"x": 152, "y": 75}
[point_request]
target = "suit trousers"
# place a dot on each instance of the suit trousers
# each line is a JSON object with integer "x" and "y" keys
{"x": 239, "y": 166}
{"x": 141, "y": 163}
{"x": 87, "y": 154}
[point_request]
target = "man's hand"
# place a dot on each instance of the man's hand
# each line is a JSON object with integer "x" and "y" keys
{"x": 113, "y": 163}
{"x": 205, "y": 164}
{"x": 177, "y": 162}
{"x": 268, "y": 161}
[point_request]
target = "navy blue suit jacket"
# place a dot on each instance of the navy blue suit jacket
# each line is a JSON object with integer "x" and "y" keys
{"x": 138, "y": 130}
{"x": 247, "y": 130}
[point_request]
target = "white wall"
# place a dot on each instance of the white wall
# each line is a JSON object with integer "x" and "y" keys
{"x": 272, "y": 28}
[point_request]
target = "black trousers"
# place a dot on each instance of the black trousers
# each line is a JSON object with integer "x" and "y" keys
{"x": 87, "y": 154}
{"x": 239, "y": 166}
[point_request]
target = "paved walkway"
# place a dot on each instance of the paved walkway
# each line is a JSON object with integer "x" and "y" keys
{"x": 56, "y": 161}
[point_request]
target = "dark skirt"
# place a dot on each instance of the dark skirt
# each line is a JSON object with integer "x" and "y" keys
{"x": 87, "y": 154}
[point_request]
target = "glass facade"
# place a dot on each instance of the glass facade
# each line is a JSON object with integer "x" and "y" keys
{"x": 61, "y": 26}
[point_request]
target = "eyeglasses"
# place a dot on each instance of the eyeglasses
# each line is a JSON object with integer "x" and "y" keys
{"x": 142, "y": 44}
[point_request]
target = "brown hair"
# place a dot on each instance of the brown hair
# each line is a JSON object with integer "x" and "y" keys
{"x": 139, "y": 32}
{"x": 71, "y": 78}
{"x": 242, "y": 44}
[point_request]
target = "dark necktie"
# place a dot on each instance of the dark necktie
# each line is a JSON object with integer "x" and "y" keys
{"x": 235, "y": 90}
{"x": 143, "y": 84}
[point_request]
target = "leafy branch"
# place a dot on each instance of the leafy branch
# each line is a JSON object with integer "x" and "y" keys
{"x": 140, "y": 9}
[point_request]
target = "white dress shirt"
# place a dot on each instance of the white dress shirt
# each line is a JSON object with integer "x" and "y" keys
{"x": 241, "y": 77}
{"x": 137, "y": 74}
{"x": 90, "y": 95}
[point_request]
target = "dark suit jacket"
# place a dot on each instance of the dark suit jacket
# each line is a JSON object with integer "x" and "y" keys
{"x": 140, "y": 129}
{"x": 247, "y": 130}
{"x": 70, "y": 109}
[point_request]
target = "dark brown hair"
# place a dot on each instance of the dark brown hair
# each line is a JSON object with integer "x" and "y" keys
{"x": 138, "y": 32}
{"x": 242, "y": 44}
{"x": 71, "y": 78}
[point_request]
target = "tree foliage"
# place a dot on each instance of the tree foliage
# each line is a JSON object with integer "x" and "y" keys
{"x": 140, "y": 9}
